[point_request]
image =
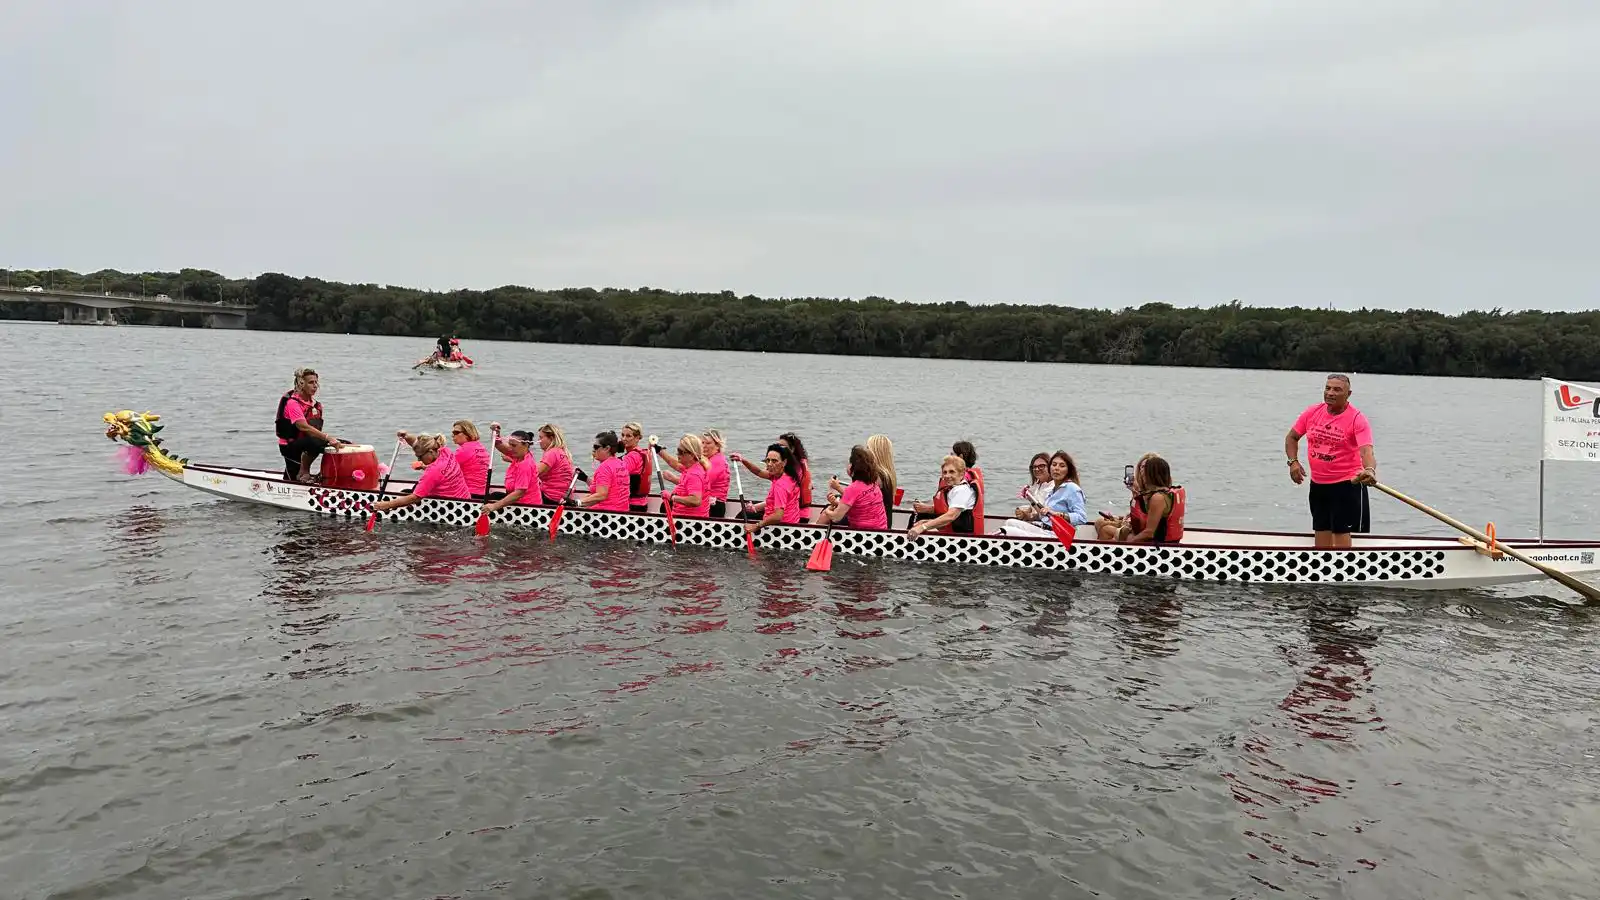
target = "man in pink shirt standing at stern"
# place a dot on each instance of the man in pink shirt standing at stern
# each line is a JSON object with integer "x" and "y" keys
{"x": 1339, "y": 447}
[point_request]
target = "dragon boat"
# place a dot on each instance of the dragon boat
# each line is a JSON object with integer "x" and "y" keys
{"x": 1205, "y": 555}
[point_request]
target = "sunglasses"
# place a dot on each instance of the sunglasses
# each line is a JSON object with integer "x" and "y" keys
{"x": 1040, "y": 466}
{"x": 598, "y": 446}
{"x": 457, "y": 431}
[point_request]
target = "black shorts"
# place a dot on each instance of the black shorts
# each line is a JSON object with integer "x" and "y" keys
{"x": 292, "y": 450}
{"x": 719, "y": 509}
{"x": 1340, "y": 507}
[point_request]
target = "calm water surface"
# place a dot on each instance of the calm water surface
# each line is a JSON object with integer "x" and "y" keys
{"x": 204, "y": 699}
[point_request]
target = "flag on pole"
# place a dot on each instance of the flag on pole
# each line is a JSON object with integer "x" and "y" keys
{"x": 1571, "y": 421}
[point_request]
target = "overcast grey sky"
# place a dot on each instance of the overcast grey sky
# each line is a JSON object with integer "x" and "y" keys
{"x": 1089, "y": 152}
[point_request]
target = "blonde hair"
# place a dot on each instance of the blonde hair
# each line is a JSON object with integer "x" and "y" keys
{"x": 301, "y": 374}
{"x": 960, "y": 464}
{"x": 883, "y": 457}
{"x": 558, "y": 438}
{"x": 691, "y": 443}
{"x": 716, "y": 435}
{"x": 634, "y": 427}
{"x": 468, "y": 428}
{"x": 427, "y": 443}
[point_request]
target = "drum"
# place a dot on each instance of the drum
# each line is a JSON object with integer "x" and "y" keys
{"x": 353, "y": 467}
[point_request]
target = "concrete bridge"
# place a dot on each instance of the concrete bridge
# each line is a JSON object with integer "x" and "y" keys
{"x": 84, "y": 309}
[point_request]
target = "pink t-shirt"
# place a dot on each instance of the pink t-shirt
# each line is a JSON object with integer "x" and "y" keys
{"x": 1334, "y": 442}
{"x": 693, "y": 481}
{"x": 786, "y": 494}
{"x": 473, "y": 458}
{"x": 717, "y": 480}
{"x": 294, "y": 409}
{"x": 442, "y": 478}
{"x": 524, "y": 475}
{"x": 613, "y": 473}
{"x": 557, "y": 474}
{"x": 866, "y": 505}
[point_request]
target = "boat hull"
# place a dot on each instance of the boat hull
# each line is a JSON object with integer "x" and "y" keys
{"x": 1207, "y": 555}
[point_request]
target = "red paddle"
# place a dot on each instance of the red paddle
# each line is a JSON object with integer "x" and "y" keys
{"x": 555, "y": 519}
{"x": 372, "y": 520}
{"x": 749, "y": 539}
{"x": 822, "y": 555}
{"x": 672, "y": 526}
{"x": 482, "y": 526}
{"x": 1065, "y": 531}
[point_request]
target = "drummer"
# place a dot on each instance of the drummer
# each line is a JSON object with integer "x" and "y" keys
{"x": 441, "y": 475}
{"x": 299, "y": 427}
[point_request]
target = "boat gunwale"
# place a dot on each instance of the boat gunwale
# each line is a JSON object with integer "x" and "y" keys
{"x": 1453, "y": 544}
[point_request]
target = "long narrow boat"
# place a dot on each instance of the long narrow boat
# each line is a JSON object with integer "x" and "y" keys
{"x": 1206, "y": 554}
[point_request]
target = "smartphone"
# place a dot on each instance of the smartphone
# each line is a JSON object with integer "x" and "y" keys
{"x": 1106, "y": 515}
{"x": 1127, "y": 475}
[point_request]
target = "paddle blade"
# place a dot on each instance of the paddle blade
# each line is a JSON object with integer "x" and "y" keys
{"x": 1064, "y": 531}
{"x": 821, "y": 556}
{"x": 372, "y": 520}
{"x": 750, "y": 544}
{"x": 555, "y": 520}
{"x": 899, "y": 494}
{"x": 482, "y": 525}
{"x": 666, "y": 510}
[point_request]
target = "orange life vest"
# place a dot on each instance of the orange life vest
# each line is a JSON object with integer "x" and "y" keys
{"x": 1169, "y": 531}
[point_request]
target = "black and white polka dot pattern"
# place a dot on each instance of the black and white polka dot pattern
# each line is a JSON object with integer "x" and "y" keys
{"x": 1221, "y": 564}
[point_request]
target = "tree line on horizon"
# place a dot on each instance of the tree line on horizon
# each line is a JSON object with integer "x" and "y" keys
{"x": 1492, "y": 344}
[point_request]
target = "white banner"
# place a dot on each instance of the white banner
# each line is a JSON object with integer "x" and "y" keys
{"x": 1571, "y": 421}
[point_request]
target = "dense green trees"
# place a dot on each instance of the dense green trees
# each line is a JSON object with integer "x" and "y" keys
{"x": 1494, "y": 344}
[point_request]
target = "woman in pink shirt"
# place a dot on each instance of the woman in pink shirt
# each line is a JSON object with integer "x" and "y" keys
{"x": 717, "y": 472}
{"x": 608, "y": 489}
{"x": 783, "y": 497}
{"x": 522, "y": 477}
{"x": 441, "y": 476}
{"x": 555, "y": 463}
{"x": 791, "y": 445}
{"x": 691, "y": 497}
{"x": 471, "y": 455}
{"x": 861, "y": 504}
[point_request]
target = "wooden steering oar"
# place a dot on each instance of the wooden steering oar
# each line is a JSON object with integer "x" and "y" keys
{"x": 1590, "y": 593}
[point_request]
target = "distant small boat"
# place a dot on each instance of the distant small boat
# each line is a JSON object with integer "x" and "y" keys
{"x": 434, "y": 362}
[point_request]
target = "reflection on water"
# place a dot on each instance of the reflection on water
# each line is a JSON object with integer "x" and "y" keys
{"x": 1330, "y": 705}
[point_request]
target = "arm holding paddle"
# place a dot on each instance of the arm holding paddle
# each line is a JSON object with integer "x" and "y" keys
{"x": 837, "y": 510}
{"x": 396, "y": 503}
{"x": 759, "y": 471}
{"x": 674, "y": 467}
{"x": 772, "y": 518}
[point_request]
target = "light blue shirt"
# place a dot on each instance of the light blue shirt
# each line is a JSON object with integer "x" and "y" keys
{"x": 1067, "y": 500}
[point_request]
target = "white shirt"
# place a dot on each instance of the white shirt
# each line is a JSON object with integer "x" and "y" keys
{"x": 962, "y": 496}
